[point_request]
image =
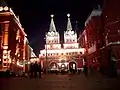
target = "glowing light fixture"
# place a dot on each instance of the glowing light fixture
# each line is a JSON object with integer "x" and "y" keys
{"x": 6, "y": 8}
{"x": 5, "y": 47}
{"x": 5, "y": 51}
{"x": 19, "y": 64}
{"x": 1, "y": 8}
{"x": 68, "y": 15}
{"x": 52, "y": 15}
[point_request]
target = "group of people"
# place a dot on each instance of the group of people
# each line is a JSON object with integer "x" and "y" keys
{"x": 35, "y": 70}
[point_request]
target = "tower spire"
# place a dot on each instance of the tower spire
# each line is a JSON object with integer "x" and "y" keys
{"x": 52, "y": 25}
{"x": 69, "y": 26}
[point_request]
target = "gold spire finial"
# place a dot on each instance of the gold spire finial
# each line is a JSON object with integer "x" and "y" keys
{"x": 68, "y": 15}
{"x": 52, "y": 15}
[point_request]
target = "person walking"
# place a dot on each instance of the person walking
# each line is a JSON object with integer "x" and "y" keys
{"x": 35, "y": 69}
{"x": 31, "y": 70}
{"x": 39, "y": 70}
{"x": 85, "y": 70}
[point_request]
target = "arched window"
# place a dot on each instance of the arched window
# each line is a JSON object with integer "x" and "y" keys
{"x": 75, "y": 52}
{"x": 80, "y": 52}
{"x": 4, "y": 64}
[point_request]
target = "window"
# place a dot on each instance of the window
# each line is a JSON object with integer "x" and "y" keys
{"x": 80, "y": 52}
{"x": 67, "y": 40}
{"x": 4, "y": 59}
{"x": 4, "y": 64}
{"x": 75, "y": 52}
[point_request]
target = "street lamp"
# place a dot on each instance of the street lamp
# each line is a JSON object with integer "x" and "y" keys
{"x": 46, "y": 53}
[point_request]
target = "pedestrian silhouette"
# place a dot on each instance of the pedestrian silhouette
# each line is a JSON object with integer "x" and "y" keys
{"x": 35, "y": 69}
{"x": 39, "y": 70}
{"x": 85, "y": 70}
{"x": 31, "y": 70}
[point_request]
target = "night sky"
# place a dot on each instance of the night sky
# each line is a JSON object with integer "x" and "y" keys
{"x": 35, "y": 16}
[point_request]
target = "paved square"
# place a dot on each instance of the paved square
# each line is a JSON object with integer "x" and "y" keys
{"x": 60, "y": 82}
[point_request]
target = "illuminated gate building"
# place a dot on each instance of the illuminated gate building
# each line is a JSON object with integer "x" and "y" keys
{"x": 57, "y": 56}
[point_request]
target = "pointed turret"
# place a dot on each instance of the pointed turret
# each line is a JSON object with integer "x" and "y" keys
{"x": 52, "y": 36}
{"x": 69, "y": 26}
{"x": 70, "y": 36}
{"x": 52, "y": 25}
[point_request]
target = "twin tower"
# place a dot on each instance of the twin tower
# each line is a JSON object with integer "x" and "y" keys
{"x": 53, "y": 37}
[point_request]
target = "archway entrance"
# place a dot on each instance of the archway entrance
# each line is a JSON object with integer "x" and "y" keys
{"x": 53, "y": 66}
{"x": 63, "y": 67}
{"x": 72, "y": 65}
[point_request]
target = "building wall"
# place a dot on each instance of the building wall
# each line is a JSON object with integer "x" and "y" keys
{"x": 111, "y": 25}
{"x": 11, "y": 40}
{"x": 61, "y": 57}
{"x": 91, "y": 38}
{"x": 110, "y": 19}
{"x": 103, "y": 32}
{"x": 111, "y": 11}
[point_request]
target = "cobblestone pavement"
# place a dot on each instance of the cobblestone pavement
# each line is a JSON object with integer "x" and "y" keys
{"x": 60, "y": 82}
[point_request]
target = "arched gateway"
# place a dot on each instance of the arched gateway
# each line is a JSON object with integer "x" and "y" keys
{"x": 73, "y": 65}
{"x": 53, "y": 66}
{"x": 61, "y": 53}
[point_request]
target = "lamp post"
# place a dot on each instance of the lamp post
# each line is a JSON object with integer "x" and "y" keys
{"x": 46, "y": 53}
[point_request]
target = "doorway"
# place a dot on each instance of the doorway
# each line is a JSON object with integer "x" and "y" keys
{"x": 72, "y": 65}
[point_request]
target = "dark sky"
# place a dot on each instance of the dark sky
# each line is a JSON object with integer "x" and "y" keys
{"x": 35, "y": 16}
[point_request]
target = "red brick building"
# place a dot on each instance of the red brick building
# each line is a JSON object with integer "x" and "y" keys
{"x": 102, "y": 30}
{"x": 90, "y": 37}
{"x": 13, "y": 41}
{"x": 111, "y": 24}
